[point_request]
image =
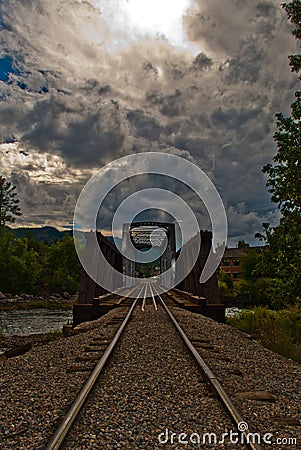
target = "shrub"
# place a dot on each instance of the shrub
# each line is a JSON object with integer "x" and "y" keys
{"x": 279, "y": 331}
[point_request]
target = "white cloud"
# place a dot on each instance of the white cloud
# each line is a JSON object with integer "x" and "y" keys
{"x": 74, "y": 104}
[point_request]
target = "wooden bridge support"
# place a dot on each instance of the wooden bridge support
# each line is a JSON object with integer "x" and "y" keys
{"x": 205, "y": 297}
{"x": 191, "y": 282}
{"x": 88, "y": 288}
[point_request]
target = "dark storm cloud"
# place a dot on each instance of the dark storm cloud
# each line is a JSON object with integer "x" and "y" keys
{"x": 233, "y": 119}
{"x": 246, "y": 66}
{"x": 201, "y": 62}
{"x": 44, "y": 202}
{"x": 141, "y": 206}
{"x": 31, "y": 197}
{"x": 72, "y": 95}
{"x": 94, "y": 86}
{"x": 168, "y": 105}
{"x": 225, "y": 29}
{"x": 143, "y": 125}
{"x": 83, "y": 134}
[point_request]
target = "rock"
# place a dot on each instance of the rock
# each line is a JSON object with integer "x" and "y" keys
{"x": 256, "y": 395}
{"x": 2, "y": 296}
{"x": 237, "y": 372}
{"x": 284, "y": 420}
{"x": 17, "y": 350}
{"x": 75, "y": 368}
{"x": 204, "y": 345}
{"x": 66, "y": 295}
{"x": 67, "y": 330}
{"x": 225, "y": 358}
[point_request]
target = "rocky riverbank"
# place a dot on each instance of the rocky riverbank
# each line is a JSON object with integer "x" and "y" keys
{"x": 11, "y": 346}
{"x": 20, "y": 344}
{"x": 29, "y": 301}
{"x": 15, "y": 345}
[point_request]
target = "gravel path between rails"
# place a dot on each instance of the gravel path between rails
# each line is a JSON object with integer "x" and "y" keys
{"x": 152, "y": 384}
{"x": 36, "y": 388}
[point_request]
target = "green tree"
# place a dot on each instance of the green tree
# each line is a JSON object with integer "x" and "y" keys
{"x": 20, "y": 268}
{"x": 9, "y": 204}
{"x": 282, "y": 259}
{"x": 242, "y": 244}
{"x": 251, "y": 263}
{"x": 24, "y": 268}
{"x": 285, "y": 174}
{"x": 62, "y": 267}
{"x": 225, "y": 285}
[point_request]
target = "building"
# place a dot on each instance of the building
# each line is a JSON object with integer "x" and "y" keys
{"x": 232, "y": 262}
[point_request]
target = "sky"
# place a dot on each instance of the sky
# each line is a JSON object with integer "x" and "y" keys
{"x": 84, "y": 82}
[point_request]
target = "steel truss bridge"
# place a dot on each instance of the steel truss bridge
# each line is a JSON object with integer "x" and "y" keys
{"x": 160, "y": 235}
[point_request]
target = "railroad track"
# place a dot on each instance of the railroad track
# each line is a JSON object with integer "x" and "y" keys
{"x": 149, "y": 298}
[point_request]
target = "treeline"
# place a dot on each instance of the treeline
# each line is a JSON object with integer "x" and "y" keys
{"x": 31, "y": 267}
{"x": 265, "y": 280}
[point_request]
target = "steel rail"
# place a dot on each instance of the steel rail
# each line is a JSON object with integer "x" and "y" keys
{"x": 61, "y": 433}
{"x": 222, "y": 395}
{"x": 144, "y": 298}
{"x": 153, "y": 297}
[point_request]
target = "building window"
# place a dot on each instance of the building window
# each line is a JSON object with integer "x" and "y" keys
{"x": 236, "y": 275}
{"x": 226, "y": 262}
{"x": 236, "y": 262}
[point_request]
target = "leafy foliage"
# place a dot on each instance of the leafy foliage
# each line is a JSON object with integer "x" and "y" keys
{"x": 61, "y": 266}
{"x": 279, "y": 331}
{"x": 260, "y": 282}
{"x": 285, "y": 175}
{"x": 32, "y": 267}
{"x": 282, "y": 259}
{"x": 9, "y": 204}
{"x": 293, "y": 10}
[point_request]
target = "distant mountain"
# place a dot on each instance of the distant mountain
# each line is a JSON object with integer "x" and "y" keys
{"x": 40, "y": 234}
{"x": 49, "y": 234}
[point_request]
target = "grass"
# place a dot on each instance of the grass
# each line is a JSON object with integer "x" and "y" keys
{"x": 62, "y": 304}
{"x": 279, "y": 331}
{"x": 43, "y": 339}
{"x": 51, "y": 336}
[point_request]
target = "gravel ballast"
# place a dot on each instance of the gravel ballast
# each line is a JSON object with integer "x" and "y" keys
{"x": 150, "y": 384}
{"x": 246, "y": 369}
{"x": 37, "y": 388}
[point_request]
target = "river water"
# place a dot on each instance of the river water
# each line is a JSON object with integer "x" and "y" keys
{"x": 25, "y": 322}
{"x": 42, "y": 320}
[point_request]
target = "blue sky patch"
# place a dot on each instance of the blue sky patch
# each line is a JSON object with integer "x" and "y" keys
{"x": 6, "y": 67}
